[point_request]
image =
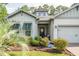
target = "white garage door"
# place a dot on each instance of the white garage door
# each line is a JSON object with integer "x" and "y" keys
{"x": 69, "y": 33}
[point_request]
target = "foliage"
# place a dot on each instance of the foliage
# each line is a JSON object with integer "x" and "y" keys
{"x": 4, "y": 53}
{"x": 61, "y": 8}
{"x": 3, "y": 12}
{"x": 25, "y": 8}
{"x": 44, "y": 41}
{"x": 10, "y": 38}
{"x": 46, "y": 6}
{"x": 4, "y": 30}
{"x": 28, "y": 40}
{"x": 10, "y": 41}
{"x": 25, "y": 40}
{"x": 35, "y": 53}
{"x": 32, "y": 9}
{"x": 60, "y": 43}
{"x": 38, "y": 41}
{"x": 52, "y": 10}
{"x": 38, "y": 38}
{"x": 4, "y": 35}
{"x": 35, "y": 42}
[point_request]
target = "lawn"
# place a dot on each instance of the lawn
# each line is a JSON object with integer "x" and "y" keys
{"x": 34, "y": 53}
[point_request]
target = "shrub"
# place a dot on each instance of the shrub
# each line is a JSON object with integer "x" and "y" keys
{"x": 28, "y": 40}
{"x": 35, "y": 42}
{"x": 24, "y": 39}
{"x": 44, "y": 41}
{"x": 60, "y": 43}
{"x": 38, "y": 38}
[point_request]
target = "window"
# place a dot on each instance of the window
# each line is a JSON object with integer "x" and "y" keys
{"x": 39, "y": 14}
{"x": 44, "y": 14}
{"x": 77, "y": 8}
{"x": 15, "y": 26}
{"x": 27, "y": 28}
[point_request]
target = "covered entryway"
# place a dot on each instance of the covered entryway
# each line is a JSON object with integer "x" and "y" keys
{"x": 70, "y": 33}
{"x": 43, "y": 29}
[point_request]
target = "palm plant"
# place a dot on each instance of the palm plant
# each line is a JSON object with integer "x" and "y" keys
{"x": 4, "y": 34}
{"x": 9, "y": 37}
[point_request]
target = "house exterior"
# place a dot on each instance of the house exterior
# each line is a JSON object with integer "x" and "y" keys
{"x": 24, "y": 22}
{"x": 63, "y": 25}
{"x": 66, "y": 24}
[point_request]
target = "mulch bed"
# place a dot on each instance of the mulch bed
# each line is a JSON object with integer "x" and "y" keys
{"x": 44, "y": 49}
{"x": 34, "y": 48}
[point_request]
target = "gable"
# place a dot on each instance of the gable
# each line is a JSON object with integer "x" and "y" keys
{"x": 21, "y": 17}
{"x": 20, "y": 11}
{"x": 70, "y": 13}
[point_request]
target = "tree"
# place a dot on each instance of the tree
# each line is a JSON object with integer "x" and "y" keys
{"x": 61, "y": 8}
{"x": 40, "y": 7}
{"x": 25, "y": 8}
{"x": 32, "y": 9}
{"x": 52, "y": 10}
{"x": 3, "y": 12}
{"x": 45, "y": 6}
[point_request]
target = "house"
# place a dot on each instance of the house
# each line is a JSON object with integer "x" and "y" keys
{"x": 64, "y": 25}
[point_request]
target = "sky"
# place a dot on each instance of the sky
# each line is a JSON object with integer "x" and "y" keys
{"x": 15, "y": 4}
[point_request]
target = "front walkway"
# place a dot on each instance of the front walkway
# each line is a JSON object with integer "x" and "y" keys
{"x": 74, "y": 48}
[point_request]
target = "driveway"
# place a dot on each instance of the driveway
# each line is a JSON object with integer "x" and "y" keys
{"x": 73, "y": 48}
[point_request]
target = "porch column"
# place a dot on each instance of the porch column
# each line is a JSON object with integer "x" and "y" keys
{"x": 36, "y": 28}
{"x": 55, "y": 31}
{"x": 21, "y": 30}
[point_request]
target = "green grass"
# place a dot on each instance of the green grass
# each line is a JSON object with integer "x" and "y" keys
{"x": 34, "y": 53}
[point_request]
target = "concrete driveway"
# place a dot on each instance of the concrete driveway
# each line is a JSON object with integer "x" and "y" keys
{"x": 73, "y": 48}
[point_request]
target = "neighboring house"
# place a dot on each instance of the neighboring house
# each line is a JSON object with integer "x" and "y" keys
{"x": 64, "y": 25}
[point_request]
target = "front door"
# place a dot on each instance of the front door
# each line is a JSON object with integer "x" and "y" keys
{"x": 42, "y": 31}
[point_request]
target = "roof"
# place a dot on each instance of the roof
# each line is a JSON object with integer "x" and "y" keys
{"x": 66, "y": 10}
{"x": 40, "y": 10}
{"x": 20, "y": 10}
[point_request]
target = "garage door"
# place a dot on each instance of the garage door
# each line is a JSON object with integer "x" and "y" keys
{"x": 71, "y": 34}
